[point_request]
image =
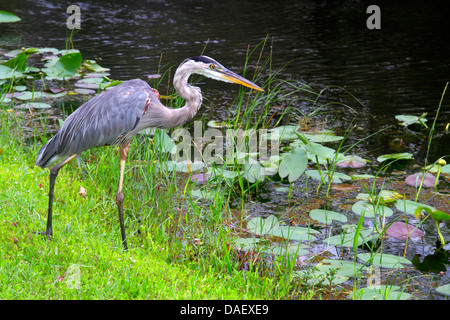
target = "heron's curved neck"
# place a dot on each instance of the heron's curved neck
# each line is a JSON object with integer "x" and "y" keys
{"x": 192, "y": 95}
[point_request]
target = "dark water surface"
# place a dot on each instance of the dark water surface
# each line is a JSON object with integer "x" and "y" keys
{"x": 400, "y": 69}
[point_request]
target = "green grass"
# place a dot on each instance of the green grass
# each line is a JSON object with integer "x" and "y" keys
{"x": 162, "y": 262}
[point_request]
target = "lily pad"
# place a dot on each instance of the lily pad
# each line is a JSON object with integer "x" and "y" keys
{"x": 352, "y": 161}
{"x": 384, "y": 260}
{"x": 337, "y": 177}
{"x": 370, "y": 209}
{"x": 263, "y": 226}
{"x": 403, "y": 231}
{"x": 294, "y": 233}
{"x": 293, "y": 165}
{"x": 327, "y": 216}
{"x": 33, "y": 105}
{"x": 346, "y": 239}
{"x": 406, "y": 120}
{"x": 416, "y": 179}
{"x": 8, "y": 73}
{"x": 395, "y": 156}
{"x": 445, "y": 289}
{"x": 381, "y": 292}
{"x": 409, "y": 206}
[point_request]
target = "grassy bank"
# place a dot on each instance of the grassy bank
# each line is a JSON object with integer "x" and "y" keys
{"x": 164, "y": 262}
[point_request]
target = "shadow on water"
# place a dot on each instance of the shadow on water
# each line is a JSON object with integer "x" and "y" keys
{"x": 400, "y": 69}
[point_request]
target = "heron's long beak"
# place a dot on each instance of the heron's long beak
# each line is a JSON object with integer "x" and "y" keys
{"x": 233, "y": 77}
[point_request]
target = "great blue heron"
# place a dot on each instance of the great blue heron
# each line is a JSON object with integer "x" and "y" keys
{"x": 116, "y": 115}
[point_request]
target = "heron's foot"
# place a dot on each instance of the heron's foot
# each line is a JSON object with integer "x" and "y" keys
{"x": 47, "y": 233}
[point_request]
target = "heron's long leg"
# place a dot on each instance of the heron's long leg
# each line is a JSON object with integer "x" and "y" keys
{"x": 53, "y": 174}
{"x": 119, "y": 195}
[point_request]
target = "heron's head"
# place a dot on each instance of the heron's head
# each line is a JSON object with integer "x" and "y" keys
{"x": 210, "y": 68}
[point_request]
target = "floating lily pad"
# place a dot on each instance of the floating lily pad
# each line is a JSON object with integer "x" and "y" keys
{"x": 28, "y": 95}
{"x": 317, "y": 277}
{"x": 384, "y": 196}
{"x": 327, "y": 216}
{"x": 371, "y": 209}
{"x": 294, "y": 233}
{"x": 395, "y": 156}
{"x": 322, "y": 136}
{"x": 337, "y": 177}
{"x": 347, "y": 238}
{"x": 85, "y": 91}
{"x": 445, "y": 289}
{"x": 8, "y": 73}
{"x": 416, "y": 179}
{"x": 409, "y": 206}
{"x": 403, "y": 231}
{"x": 352, "y": 161}
{"x": 246, "y": 244}
{"x": 382, "y": 293}
{"x": 293, "y": 165}
{"x": 289, "y": 249}
{"x": 406, "y": 120}
{"x": 33, "y": 105}
{"x": 384, "y": 260}
{"x": 263, "y": 226}
{"x": 253, "y": 172}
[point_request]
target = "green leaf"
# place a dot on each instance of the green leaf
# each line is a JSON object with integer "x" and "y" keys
{"x": 370, "y": 209}
{"x": 293, "y": 233}
{"x": 262, "y": 226}
{"x": 8, "y": 17}
{"x": 8, "y": 73}
{"x": 253, "y": 172}
{"x": 445, "y": 289}
{"x": 65, "y": 67}
{"x": 33, "y": 105}
{"x": 382, "y": 293}
{"x": 395, "y": 156}
{"x": 384, "y": 260}
{"x": 347, "y": 239}
{"x": 337, "y": 177}
{"x": 293, "y": 165}
{"x": 406, "y": 120}
{"x": 327, "y": 216}
{"x": 409, "y": 206}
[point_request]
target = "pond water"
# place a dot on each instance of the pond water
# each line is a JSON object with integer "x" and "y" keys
{"x": 400, "y": 69}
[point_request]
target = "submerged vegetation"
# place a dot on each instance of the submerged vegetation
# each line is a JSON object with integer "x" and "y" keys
{"x": 305, "y": 217}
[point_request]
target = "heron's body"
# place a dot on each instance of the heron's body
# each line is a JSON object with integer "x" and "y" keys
{"x": 116, "y": 115}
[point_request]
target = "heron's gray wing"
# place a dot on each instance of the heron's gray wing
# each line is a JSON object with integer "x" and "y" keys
{"x": 103, "y": 120}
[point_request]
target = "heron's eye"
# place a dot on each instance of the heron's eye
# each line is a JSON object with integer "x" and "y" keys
{"x": 211, "y": 66}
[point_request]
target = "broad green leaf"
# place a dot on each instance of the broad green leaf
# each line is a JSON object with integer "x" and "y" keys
{"x": 33, "y": 105}
{"x": 346, "y": 239}
{"x": 371, "y": 209}
{"x": 294, "y": 233}
{"x": 253, "y": 172}
{"x": 384, "y": 260}
{"x": 406, "y": 120}
{"x": 409, "y": 206}
{"x": 246, "y": 244}
{"x": 395, "y": 156}
{"x": 327, "y": 216}
{"x": 289, "y": 249}
{"x": 65, "y": 67}
{"x": 8, "y": 17}
{"x": 263, "y": 226}
{"x": 337, "y": 177}
{"x": 293, "y": 165}
{"x": 8, "y": 73}
{"x": 382, "y": 293}
{"x": 445, "y": 290}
